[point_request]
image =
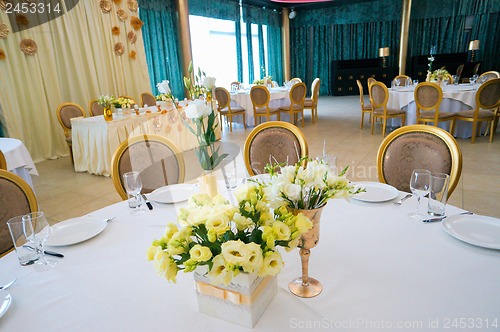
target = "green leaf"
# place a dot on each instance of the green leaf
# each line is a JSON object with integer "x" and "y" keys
{"x": 190, "y": 67}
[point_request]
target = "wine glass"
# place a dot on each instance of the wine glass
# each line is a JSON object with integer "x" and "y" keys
{"x": 398, "y": 82}
{"x": 419, "y": 185}
{"x": 133, "y": 185}
{"x": 37, "y": 231}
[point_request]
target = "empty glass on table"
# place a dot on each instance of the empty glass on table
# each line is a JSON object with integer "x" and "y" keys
{"x": 438, "y": 194}
{"x": 133, "y": 186}
{"x": 37, "y": 231}
{"x": 419, "y": 185}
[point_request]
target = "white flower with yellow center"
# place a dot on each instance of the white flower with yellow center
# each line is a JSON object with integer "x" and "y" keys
{"x": 235, "y": 252}
{"x": 200, "y": 253}
{"x": 271, "y": 264}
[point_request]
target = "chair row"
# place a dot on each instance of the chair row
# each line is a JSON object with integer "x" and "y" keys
{"x": 261, "y": 97}
{"x": 428, "y": 98}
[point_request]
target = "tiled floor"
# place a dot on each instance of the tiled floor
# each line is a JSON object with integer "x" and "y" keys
{"x": 64, "y": 194}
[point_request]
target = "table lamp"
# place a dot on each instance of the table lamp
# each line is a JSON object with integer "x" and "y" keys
{"x": 473, "y": 46}
{"x": 383, "y": 53}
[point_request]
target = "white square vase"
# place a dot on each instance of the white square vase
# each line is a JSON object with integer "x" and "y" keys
{"x": 243, "y": 301}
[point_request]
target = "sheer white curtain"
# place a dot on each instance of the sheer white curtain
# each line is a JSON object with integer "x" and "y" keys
{"x": 75, "y": 62}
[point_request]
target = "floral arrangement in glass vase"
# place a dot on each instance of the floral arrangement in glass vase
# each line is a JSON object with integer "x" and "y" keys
{"x": 228, "y": 239}
{"x": 105, "y": 100}
{"x": 440, "y": 74}
{"x": 122, "y": 102}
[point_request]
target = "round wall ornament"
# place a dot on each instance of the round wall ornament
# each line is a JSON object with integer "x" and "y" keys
{"x": 132, "y": 5}
{"x": 136, "y": 22}
{"x": 132, "y": 37}
{"x": 119, "y": 49}
{"x": 4, "y": 30}
{"x": 105, "y": 6}
{"x": 2, "y": 54}
{"x": 122, "y": 15}
{"x": 28, "y": 46}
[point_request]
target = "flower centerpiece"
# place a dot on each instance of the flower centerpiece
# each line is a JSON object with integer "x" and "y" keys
{"x": 165, "y": 92}
{"x": 106, "y": 101}
{"x": 431, "y": 60}
{"x": 440, "y": 74}
{"x": 122, "y": 102}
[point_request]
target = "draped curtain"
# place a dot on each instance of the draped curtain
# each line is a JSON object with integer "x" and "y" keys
{"x": 75, "y": 62}
{"x": 486, "y": 29}
{"x": 161, "y": 44}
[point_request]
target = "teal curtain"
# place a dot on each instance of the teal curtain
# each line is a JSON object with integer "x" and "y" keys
{"x": 161, "y": 44}
{"x": 251, "y": 76}
{"x": 275, "y": 53}
{"x": 486, "y": 29}
{"x": 262, "y": 55}
{"x": 220, "y": 9}
{"x": 239, "y": 51}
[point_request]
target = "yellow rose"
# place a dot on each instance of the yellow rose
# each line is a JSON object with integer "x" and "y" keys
{"x": 281, "y": 231}
{"x": 179, "y": 242}
{"x": 165, "y": 265}
{"x": 220, "y": 274}
{"x": 235, "y": 252}
{"x": 200, "y": 253}
{"x": 242, "y": 222}
{"x": 293, "y": 244}
{"x": 170, "y": 231}
{"x": 218, "y": 224}
{"x": 255, "y": 258}
{"x": 272, "y": 264}
{"x": 151, "y": 252}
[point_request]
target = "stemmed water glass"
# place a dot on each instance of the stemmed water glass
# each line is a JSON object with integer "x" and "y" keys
{"x": 398, "y": 82}
{"x": 419, "y": 185}
{"x": 37, "y": 231}
{"x": 133, "y": 185}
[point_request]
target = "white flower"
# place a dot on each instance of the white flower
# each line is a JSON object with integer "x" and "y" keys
{"x": 292, "y": 191}
{"x": 197, "y": 109}
{"x": 209, "y": 82}
{"x": 163, "y": 87}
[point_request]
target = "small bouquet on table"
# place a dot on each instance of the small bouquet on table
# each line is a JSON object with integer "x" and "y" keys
{"x": 106, "y": 101}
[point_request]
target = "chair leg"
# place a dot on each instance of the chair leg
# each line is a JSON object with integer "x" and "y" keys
{"x": 492, "y": 124}
{"x": 362, "y": 119}
{"x": 373, "y": 122}
{"x": 244, "y": 120}
{"x": 479, "y": 125}
{"x": 291, "y": 118}
{"x": 279, "y": 116}
{"x": 255, "y": 120}
{"x": 452, "y": 127}
{"x": 302, "y": 116}
{"x": 403, "y": 120}
{"x": 474, "y": 130}
{"x": 230, "y": 119}
{"x": 384, "y": 124}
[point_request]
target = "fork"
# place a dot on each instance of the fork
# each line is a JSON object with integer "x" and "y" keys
{"x": 402, "y": 199}
{"x": 109, "y": 219}
{"x": 7, "y": 285}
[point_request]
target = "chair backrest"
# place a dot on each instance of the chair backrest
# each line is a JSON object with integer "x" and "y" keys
{"x": 486, "y": 76}
{"x": 273, "y": 142}
{"x": 295, "y": 80}
{"x": 148, "y": 99}
{"x": 476, "y": 69}
{"x": 379, "y": 95}
{"x": 16, "y": 199}
{"x": 235, "y": 85}
{"x": 3, "y": 162}
{"x": 361, "y": 94}
{"x": 316, "y": 84}
{"x": 95, "y": 109}
{"x": 402, "y": 79}
{"x": 157, "y": 159}
{"x": 260, "y": 96}
{"x": 418, "y": 146}
{"x": 370, "y": 80}
{"x": 223, "y": 98}
{"x": 488, "y": 95}
{"x": 428, "y": 96}
{"x": 67, "y": 111}
{"x": 460, "y": 69}
{"x": 297, "y": 94}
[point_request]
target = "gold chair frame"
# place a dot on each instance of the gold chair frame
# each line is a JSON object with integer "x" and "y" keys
{"x": 229, "y": 113}
{"x": 91, "y": 113}
{"x": 25, "y": 188}
{"x": 490, "y": 73}
{"x": 434, "y": 107}
{"x": 295, "y": 80}
{"x": 148, "y": 95}
{"x": 3, "y": 162}
{"x": 446, "y": 137}
{"x": 316, "y": 84}
{"x": 273, "y": 124}
{"x": 67, "y": 130}
{"x": 383, "y": 105}
{"x": 256, "y": 105}
{"x": 403, "y": 77}
{"x": 293, "y": 102}
{"x": 364, "y": 108}
{"x": 117, "y": 156}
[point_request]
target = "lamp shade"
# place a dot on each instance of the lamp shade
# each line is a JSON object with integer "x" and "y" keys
{"x": 474, "y": 45}
{"x": 383, "y": 52}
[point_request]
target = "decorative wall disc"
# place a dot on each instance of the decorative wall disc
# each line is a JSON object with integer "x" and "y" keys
{"x": 132, "y": 37}
{"x": 136, "y": 22}
{"x": 132, "y": 54}
{"x": 105, "y": 6}
{"x": 117, "y": 2}
{"x": 115, "y": 30}
{"x": 3, "y": 4}
{"x": 2, "y": 54}
{"x": 28, "y": 46}
{"x": 4, "y": 30}
{"x": 119, "y": 49}
{"x": 122, "y": 15}
{"x": 132, "y": 5}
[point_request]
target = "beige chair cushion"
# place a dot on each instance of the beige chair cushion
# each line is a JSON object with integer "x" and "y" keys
{"x": 148, "y": 99}
{"x": 294, "y": 108}
{"x": 482, "y": 114}
{"x": 68, "y": 112}
{"x": 97, "y": 109}
{"x": 308, "y": 102}
{"x": 427, "y": 96}
{"x": 430, "y": 115}
{"x": 262, "y": 110}
{"x": 233, "y": 110}
{"x": 415, "y": 150}
{"x": 273, "y": 145}
{"x": 390, "y": 111}
{"x": 367, "y": 107}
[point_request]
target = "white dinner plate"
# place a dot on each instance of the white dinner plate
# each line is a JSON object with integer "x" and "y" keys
{"x": 375, "y": 192}
{"x": 73, "y": 231}
{"x": 174, "y": 193}
{"x": 5, "y": 300}
{"x": 261, "y": 177}
{"x": 478, "y": 230}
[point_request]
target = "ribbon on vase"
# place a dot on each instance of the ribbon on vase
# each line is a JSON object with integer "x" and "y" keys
{"x": 232, "y": 296}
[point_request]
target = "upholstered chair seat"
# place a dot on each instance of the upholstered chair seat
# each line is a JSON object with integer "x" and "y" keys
{"x": 483, "y": 114}
{"x": 65, "y": 112}
{"x": 390, "y": 111}
{"x": 297, "y": 95}
{"x": 260, "y": 97}
{"x": 225, "y": 109}
{"x": 428, "y": 97}
{"x": 430, "y": 115}
{"x": 95, "y": 109}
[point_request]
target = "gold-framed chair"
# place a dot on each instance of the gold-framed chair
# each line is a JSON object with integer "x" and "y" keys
{"x": 297, "y": 95}
{"x": 275, "y": 142}
{"x": 157, "y": 159}
{"x": 402, "y": 79}
{"x": 295, "y": 80}
{"x": 311, "y": 103}
{"x": 370, "y": 80}
{"x": 260, "y": 97}
{"x": 418, "y": 147}
{"x": 65, "y": 112}
{"x": 95, "y": 109}
{"x": 3, "y": 162}
{"x": 487, "y": 103}
{"x": 379, "y": 95}
{"x": 365, "y": 108}
{"x": 428, "y": 98}
{"x": 224, "y": 107}
{"x": 475, "y": 71}
{"x": 16, "y": 199}
{"x": 235, "y": 86}
{"x": 148, "y": 99}
{"x": 488, "y": 75}
{"x": 459, "y": 71}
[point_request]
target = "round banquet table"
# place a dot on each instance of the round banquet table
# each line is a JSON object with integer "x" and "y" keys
{"x": 379, "y": 270}
{"x": 18, "y": 159}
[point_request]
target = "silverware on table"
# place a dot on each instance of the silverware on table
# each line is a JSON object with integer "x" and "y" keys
{"x": 443, "y": 217}
{"x": 402, "y": 199}
{"x": 46, "y": 252}
{"x": 109, "y": 219}
{"x": 7, "y": 285}
{"x": 148, "y": 203}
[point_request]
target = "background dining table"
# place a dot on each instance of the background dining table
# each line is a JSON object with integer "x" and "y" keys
{"x": 18, "y": 159}
{"x": 379, "y": 270}
{"x": 456, "y": 98}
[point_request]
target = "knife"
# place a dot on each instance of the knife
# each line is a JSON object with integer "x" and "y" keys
{"x": 148, "y": 203}
{"x": 46, "y": 252}
{"x": 444, "y": 217}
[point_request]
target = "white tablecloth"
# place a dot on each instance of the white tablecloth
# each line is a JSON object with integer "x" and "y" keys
{"x": 456, "y": 98}
{"x": 378, "y": 268}
{"x": 18, "y": 159}
{"x": 279, "y": 97}
{"x": 95, "y": 140}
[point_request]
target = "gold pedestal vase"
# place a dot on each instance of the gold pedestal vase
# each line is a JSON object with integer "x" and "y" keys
{"x": 108, "y": 114}
{"x": 306, "y": 286}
